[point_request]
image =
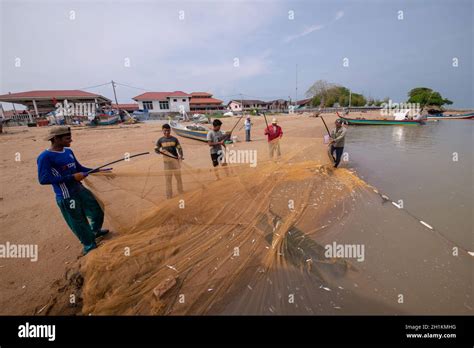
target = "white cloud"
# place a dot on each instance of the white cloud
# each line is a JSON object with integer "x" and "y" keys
{"x": 305, "y": 32}
{"x": 339, "y": 15}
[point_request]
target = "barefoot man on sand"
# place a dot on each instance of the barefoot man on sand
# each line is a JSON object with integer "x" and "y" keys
{"x": 57, "y": 166}
{"x": 216, "y": 140}
{"x": 172, "y": 152}
{"x": 274, "y": 134}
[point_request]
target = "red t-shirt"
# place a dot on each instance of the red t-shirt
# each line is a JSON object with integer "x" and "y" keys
{"x": 273, "y": 132}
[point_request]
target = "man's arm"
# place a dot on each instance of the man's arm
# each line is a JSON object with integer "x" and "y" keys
{"x": 80, "y": 167}
{"x": 179, "y": 148}
{"x": 45, "y": 173}
{"x": 158, "y": 147}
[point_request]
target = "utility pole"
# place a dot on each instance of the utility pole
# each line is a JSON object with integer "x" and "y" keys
{"x": 115, "y": 95}
{"x": 350, "y": 96}
{"x": 296, "y": 92}
{"x": 241, "y": 103}
{"x": 14, "y": 109}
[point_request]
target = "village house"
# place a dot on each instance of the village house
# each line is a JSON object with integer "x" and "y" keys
{"x": 202, "y": 102}
{"x": 279, "y": 105}
{"x": 164, "y": 102}
{"x": 39, "y": 103}
{"x": 304, "y": 103}
{"x": 249, "y": 105}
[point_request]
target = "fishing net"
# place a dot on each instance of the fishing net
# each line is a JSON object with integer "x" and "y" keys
{"x": 195, "y": 252}
{"x": 241, "y": 239}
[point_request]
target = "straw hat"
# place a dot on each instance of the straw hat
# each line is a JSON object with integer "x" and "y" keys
{"x": 274, "y": 121}
{"x": 59, "y": 130}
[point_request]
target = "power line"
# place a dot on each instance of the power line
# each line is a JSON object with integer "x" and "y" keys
{"x": 103, "y": 84}
{"x": 125, "y": 85}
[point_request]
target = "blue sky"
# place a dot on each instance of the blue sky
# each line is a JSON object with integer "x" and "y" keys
{"x": 153, "y": 46}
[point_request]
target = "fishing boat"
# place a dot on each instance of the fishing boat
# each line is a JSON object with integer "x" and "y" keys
{"x": 195, "y": 131}
{"x": 380, "y": 122}
{"x": 104, "y": 120}
{"x": 190, "y": 131}
{"x": 468, "y": 116}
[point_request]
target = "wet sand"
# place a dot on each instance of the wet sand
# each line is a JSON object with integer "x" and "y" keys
{"x": 275, "y": 242}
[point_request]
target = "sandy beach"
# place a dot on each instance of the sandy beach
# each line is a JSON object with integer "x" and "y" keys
{"x": 280, "y": 250}
{"x": 23, "y": 200}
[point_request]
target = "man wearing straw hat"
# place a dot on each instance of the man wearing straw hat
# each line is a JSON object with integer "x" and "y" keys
{"x": 274, "y": 134}
{"x": 57, "y": 166}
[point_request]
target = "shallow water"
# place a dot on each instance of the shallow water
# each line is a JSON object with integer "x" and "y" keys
{"x": 429, "y": 168}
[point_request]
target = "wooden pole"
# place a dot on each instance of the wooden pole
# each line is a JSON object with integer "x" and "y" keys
{"x": 36, "y": 109}
{"x": 115, "y": 95}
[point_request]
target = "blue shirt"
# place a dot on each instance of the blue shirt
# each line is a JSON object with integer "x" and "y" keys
{"x": 57, "y": 169}
{"x": 248, "y": 124}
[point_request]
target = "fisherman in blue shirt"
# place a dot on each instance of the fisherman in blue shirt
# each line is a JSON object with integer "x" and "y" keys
{"x": 248, "y": 127}
{"x": 59, "y": 167}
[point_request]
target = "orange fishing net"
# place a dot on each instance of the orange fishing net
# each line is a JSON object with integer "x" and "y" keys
{"x": 203, "y": 251}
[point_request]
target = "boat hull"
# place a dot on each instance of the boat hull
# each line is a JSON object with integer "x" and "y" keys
{"x": 105, "y": 121}
{"x": 197, "y": 135}
{"x": 363, "y": 122}
{"x": 453, "y": 117}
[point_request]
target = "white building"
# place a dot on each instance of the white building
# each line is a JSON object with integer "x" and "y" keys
{"x": 164, "y": 102}
{"x": 249, "y": 104}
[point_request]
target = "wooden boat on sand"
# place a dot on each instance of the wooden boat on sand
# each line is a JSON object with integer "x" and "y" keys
{"x": 193, "y": 131}
{"x": 190, "y": 131}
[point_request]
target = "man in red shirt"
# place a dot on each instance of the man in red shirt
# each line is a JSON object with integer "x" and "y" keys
{"x": 274, "y": 134}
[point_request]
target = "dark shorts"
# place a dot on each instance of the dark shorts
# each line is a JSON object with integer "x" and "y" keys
{"x": 215, "y": 159}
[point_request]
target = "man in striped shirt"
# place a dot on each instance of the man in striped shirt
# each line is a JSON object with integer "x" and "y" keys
{"x": 57, "y": 166}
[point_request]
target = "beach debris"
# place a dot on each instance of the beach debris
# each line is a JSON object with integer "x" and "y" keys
{"x": 210, "y": 289}
{"x": 325, "y": 288}
{"x": 471, "y": 253}
{"x": 41, "y": 309}
{"x": 397, "y": 205}
{"x": 171, "y": 267}
{"x": 164, "y": 287}
{"x": 425, "y": 224}
{"x": 385, "y": 197}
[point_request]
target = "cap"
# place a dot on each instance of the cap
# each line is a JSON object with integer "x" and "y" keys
{"x": 274, "y": 120}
